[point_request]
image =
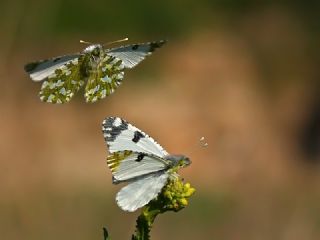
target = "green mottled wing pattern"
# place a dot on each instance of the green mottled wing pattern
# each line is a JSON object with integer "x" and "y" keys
{"x": 61, "y": 86}
{"x": 104, "y": 79}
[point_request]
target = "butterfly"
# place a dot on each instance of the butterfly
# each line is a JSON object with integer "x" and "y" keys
{"x": 102, "y": 70}
{"x": 137, "y": 159}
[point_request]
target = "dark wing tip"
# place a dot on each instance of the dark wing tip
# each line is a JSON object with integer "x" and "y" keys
{"x": 30, "y": 66}
{"x": 112, "y": 127}
{"x": 108, "y": 121}
{"x": 157, "y": 44}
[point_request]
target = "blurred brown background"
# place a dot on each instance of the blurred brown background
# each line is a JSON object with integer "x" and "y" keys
{"x": 241, "y": 73}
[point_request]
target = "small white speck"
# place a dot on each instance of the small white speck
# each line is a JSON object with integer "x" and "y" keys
{"x": 103, "y": 93}
{"x": 96, "y": 89}
{"x": 59, "y": 83}
{"x": 74, "y": 61}
{"x": 67, "y": 72}
{"x": 50, "y": 98}
{"x": 117, "y": 122}
{"x": 90, "y": 91}
{"x": 120, "y": 75}
{"x": 63, "y": 91}
{"x": 52, "y": 85}
{"x": 106, "y": 79}
{"x": 107, "y": 135}
{"x": 44, "y": 85}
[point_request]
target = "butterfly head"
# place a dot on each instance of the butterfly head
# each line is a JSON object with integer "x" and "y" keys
{"x": 94, "y": 49}
{"x": 178, "y": 161}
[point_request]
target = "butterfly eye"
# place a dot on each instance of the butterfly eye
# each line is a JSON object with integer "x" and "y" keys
{"x": 182, "y": 163}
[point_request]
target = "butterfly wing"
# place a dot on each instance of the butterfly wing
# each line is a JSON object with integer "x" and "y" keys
{"x": 140, "y": 192}
{"x": 121, "y": 135}
{"x": 104, "y": 78}
{"x": 63, "y": 83}
{"x": 40, "y": 70}
{"x": 128, "y": 165}
{"x": 131, "y": 55}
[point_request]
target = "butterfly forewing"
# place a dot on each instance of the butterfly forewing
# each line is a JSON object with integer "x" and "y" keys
{"x": 40, "y": 70}
{"x": 61, "y": 86}
{"x": 140, "y": 192}
{"x": 133, "y": 54}
{"x": 104, "y": 78}
{"x": 126, "y": 165}
{"x": 121, "y": 135}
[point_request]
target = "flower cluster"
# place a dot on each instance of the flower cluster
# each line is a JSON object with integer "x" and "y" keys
{"x": 175, "y": 195}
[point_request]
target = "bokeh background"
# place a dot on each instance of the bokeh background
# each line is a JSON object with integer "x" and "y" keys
{"x": 244, "y": 74}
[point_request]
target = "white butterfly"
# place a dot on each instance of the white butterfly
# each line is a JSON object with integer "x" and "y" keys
{"x": 139, "y": 160}
{"x": 102, "y": 70}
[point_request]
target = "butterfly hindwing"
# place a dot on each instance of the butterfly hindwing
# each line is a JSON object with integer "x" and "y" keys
{"x": 121, "y": 135}
{"x": 104, "y": 78}
{"x": 126, "y": 165}
{"x": 133, "y": 54}
{"x": 140, "y": 192}
{"x": 61, "y": 86}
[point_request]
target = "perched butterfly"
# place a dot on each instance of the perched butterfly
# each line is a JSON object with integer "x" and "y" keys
{"x": 139, "y": 160}
{"x": 102, "y": 69}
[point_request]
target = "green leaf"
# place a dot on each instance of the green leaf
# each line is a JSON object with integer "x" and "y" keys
{"x": 105, "y": 234}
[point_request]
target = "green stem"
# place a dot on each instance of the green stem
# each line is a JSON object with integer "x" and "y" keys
{"x": 144, "y": 223}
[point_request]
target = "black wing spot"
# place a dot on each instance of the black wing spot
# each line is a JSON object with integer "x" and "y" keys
{"x": 140, "y": 157}
{"x": 57, "y": 59}
{"x": 135, "y": 47}
{"x": 137, "y": 136}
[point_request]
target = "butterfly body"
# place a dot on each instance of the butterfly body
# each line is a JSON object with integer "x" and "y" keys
{"x": 101, "y": 69}
{"x": 140, "y": 161}
{"x": 177, "y": 160}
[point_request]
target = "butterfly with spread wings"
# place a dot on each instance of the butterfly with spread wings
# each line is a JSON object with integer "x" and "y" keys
{"x": 140, "y": 161}
{"x": 102, "y": 69}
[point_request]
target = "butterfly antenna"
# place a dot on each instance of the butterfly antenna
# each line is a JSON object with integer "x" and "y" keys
{"x": 85, "y": 42}
{"x": 117, "y": 41}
